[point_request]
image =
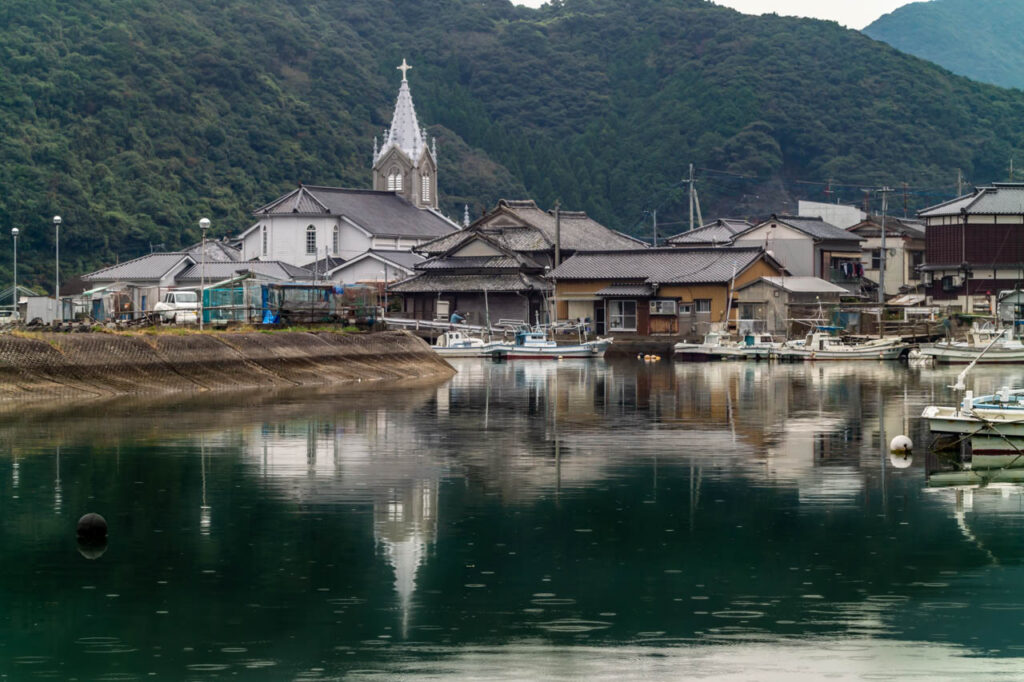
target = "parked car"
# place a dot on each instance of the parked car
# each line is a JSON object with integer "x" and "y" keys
{"x": 178, "y": 307}
{"x": 9, "y": 317}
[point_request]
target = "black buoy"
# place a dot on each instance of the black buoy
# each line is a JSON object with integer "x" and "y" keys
{"x": 92, "y": 527}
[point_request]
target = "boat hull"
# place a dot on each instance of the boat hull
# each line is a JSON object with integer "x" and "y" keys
{"x": 952, "y": 355}
{"x": 801, "y": 355}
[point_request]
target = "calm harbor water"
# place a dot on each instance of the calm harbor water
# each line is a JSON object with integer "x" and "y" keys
{"x": 525, "y": 520}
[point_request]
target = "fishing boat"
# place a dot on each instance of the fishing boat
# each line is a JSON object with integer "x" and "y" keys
{"x": 1003, "y": 350}
{"x": 456, "y": 344}
{"x": 714, "y": 347}
{"x": 718, "y": 347}
{"x": 994, "y": 424}
{"x": 821, "y": 346}
{"x": 535, "y": 344}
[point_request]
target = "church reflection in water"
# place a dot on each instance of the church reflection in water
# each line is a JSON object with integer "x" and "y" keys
{"x": 525, "y": 431}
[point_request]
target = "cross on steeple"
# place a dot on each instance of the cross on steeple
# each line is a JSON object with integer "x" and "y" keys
{"x": 404, "y": 68}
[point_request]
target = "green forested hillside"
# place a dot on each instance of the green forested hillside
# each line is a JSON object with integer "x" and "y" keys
{"x": 980, "y": 39}
{"x": 133, "y": 118}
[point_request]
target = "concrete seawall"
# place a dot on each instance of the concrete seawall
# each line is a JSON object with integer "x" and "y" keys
{"x": 97, "y": 364}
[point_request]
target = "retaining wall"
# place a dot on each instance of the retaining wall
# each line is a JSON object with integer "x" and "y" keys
{"x": 98, "y": 364}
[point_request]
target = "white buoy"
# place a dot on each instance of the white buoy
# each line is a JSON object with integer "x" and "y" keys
{"x": 901, "y": 444}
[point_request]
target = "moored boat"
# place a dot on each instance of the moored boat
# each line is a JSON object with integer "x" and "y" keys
{"x": 821, "y": 346}
{"x": 532, "y": 344}
{"x": 456, "y": 344}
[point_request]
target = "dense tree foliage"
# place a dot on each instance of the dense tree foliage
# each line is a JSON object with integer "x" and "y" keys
{"x": 133, "y": 118}
{"x": 980, "y": 39}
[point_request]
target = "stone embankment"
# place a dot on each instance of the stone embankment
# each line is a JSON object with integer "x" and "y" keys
{"x": 34, "y": 366}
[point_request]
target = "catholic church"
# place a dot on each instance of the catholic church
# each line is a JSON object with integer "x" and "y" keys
{"x": 353, "y": 235}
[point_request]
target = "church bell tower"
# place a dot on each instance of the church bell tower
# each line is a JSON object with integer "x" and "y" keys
{"x": 405, "y": 163}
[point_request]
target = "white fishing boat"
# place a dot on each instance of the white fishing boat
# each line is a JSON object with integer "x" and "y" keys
{"x": 457, "y": 344}
{"x": 714, "y": 347}
{"x": 821, "y": 346}
{"x": 993, "y": 423}
{"x": 1003, "y": 350}
{"x": 534, "y": 344}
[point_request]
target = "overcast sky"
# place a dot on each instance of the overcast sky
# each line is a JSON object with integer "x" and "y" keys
{"x": 852, "y": 13}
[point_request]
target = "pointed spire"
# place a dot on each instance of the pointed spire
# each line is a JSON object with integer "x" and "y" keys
{"x": 405, "y": 132}
{"x": 433, "y": 152}
{"x": 465, "y": 216}
{"x": 374, "y": 147}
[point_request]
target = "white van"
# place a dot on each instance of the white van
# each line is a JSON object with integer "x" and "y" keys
{"x": 178, "y": 307}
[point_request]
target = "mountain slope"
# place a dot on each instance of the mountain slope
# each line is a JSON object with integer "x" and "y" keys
{"x": 133, "y": 118}
{"x": 980, "y": 39}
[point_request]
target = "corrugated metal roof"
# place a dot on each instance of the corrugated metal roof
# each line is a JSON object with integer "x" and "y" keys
{"x": 803, "y": 285}
{"x": 998, "y": 199}
{"x": 433, "y": 282}
{"x": 379, "y": 213}
{"x": 151, "y": 267}
{"x": 660, "y": 266}
{"x": 626, "y": 290}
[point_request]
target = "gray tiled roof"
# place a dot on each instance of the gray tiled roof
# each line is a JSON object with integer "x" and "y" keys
{"x": 216, "y": 251}
{"x": 151, "y": 267}
{"x": 814, "y": 227}
{"x": 626, "y": 290}
{"x": 215, "y": 272}
{"x": 999, "y": 199}
{"x": 324, "y": 264}
{"x": 900, "y": 227}
{"x": 470, "y": 262}
{"x": 661, "y": 265}
{"x": 536, "y": 232}
{"x": 721, "y": 231}
{"x": 379, "y": 213}
{"x": 435, "y": 282}
{"x": 405, "y": 259}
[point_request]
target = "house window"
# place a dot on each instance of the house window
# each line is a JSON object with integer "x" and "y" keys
{"x": 663, "y": 307}
{"x": 311, "y": 240}
{"x": 876, "y": 259}
{"x": 748, "y": 311}
{"x": 622, "y": 315}
{"x": 394, "y": 180}
{"x": 425, "y": 193}
{"x": 334, "y": 241}
{"x": 916, "y": 261}
{"x": 702, "y": 305}
{"x": 685, "y": 308}
{"x": 264, "y": 240}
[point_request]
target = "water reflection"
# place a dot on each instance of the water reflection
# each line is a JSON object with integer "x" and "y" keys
{"x": 533, "y": 507}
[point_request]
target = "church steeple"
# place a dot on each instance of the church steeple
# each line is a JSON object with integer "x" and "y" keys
{"x": 405, "y": 163}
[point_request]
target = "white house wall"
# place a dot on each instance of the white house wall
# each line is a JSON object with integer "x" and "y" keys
{"x": 368, "y": 270}
{"x": 796, "y": 253}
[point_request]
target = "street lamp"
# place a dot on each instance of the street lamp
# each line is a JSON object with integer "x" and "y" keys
{"x": 14, "y": 296}
{"x": 204, "y": 225}
{"x": 385, "y": 291}
{"x": 56, "y": 267}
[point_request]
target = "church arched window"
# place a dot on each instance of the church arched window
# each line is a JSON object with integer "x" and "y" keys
{"x": 311, "y": 240}
{"x": 425, "y": 188}
{"x": 334, "y": 241}
{"x": 394, "y": 180}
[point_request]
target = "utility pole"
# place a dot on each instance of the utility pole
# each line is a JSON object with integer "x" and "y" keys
{"x": 655, "y": 225}
{"x": 558, "y": 233}
{"x": 959, "y": 183}
{"x": 906, "y": 200}
{"x": 691, "y": 197}
{"x": 881, "y": 261}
